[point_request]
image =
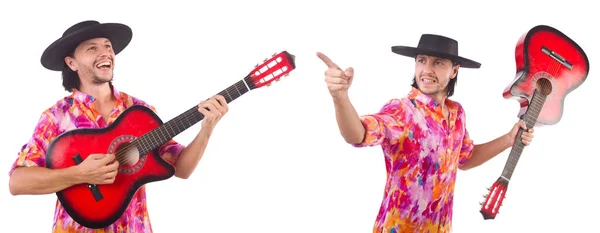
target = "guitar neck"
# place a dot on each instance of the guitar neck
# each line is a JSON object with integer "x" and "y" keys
{"x": 187, "y": 119}
{"x": 530, "y": 117}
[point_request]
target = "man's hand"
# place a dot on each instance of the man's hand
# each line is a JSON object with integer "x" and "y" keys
{"x": 213, "y": 110}
{"x": 338, "y": 81}
{"x": 98, "y": 169}
{"x": 526, "y": 137}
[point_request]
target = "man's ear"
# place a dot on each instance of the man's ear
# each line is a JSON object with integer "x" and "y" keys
{"x": 71, "y": 63}
{"x": 455, "y": 71}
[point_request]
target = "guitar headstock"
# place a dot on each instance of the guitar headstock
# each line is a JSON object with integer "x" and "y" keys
{"x": 272, "y": 69}
{"x": 493, "y": 200}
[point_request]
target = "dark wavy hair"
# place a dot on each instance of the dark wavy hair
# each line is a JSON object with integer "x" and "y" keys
{"x": 451, "y": 83}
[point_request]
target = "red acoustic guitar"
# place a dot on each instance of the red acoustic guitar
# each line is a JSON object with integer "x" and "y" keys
{"x": 549, "y": 66}
{"x": 135, "y": 136}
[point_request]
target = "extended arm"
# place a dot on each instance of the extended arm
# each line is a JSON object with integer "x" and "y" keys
{"x": 348, "y": 120}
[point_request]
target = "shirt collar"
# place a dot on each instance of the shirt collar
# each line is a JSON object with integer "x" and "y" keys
{"x": 88, "y": 99}
{"x": 423, "y": 99}
{"x": 420, "y": 99}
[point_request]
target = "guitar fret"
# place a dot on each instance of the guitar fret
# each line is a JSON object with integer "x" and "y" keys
{"x": 152, "y": 137}
{"x": 230, "y": 98}
{"x": 171, "y": 128}
{"x": 189, "y": 122}
{"x": 195, "y": 117}
{"x": 237, "y": 89}
{"x": 246, "y": 84}
{"x": 160, "y": 133}
{"x": 165, "y": 133}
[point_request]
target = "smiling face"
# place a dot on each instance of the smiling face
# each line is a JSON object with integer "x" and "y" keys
{"x": 433, "y": 74}
{"x": 93, "y": 60}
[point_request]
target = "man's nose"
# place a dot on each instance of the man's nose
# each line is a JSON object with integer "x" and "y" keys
{"x": 427, "y": 68}
{"x": 104, "y": 51}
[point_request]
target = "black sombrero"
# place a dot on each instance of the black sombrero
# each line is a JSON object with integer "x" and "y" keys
{"x": 439, "y": 46}
{"x": 118, "y": 34}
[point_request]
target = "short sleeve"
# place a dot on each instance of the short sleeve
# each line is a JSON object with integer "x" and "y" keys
{"x": 467, "y": 147}
{"x": 380, "y": 125}
{"x": 171, "y": 149}
{"x": 33, "y": 153}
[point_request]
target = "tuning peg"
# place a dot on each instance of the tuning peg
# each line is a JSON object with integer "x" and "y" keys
{"x": 488, "y": 188}
{"x": 485, "y": 196}
{"x": 273, "y": 54}
{"x": 266, "y": 59}
{"x": 256, "y": 66}
{"x": 480, "y": 203}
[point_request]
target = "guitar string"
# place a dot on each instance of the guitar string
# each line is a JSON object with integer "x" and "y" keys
{"x": 529, "y": 117}
{"x": 553, "y": 67}
{"x": 121, "y": 154}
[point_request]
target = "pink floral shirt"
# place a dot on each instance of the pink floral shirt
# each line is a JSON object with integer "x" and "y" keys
{"x": 422, "y": 153}
{"x": 77, "y": 111}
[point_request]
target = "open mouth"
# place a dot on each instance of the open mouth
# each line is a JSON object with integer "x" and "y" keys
{"x": 105, "y": 65}
{"x": 428, "y": 80}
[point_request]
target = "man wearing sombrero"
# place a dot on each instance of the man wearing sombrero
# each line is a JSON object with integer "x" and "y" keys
{"x": 423, "y": 136}
{"x": 85, "y": 54}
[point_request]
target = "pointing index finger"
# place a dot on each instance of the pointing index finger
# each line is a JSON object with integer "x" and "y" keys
{"x": 327, "y": 61}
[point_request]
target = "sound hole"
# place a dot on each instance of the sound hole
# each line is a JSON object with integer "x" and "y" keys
{"x": 127, "y": 154}
{"x": 544, "y": 86}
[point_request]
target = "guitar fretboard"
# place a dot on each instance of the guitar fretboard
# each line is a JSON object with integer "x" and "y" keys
{"x": 187, "y": 119}
{"x": 530, "y": 117}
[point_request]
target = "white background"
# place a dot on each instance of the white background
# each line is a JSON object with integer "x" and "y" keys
{"x": 276, "y": 162}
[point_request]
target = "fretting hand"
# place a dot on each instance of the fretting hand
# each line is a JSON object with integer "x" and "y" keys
{"x": 213, "y": 110}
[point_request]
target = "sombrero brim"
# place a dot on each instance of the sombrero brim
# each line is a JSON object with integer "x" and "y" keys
{"x": 413, "y": 52}
{"x": 119, "y": 35}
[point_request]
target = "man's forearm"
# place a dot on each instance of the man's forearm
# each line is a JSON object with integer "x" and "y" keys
{"x": 190, "y": 156}
{"x": 484, "y": 152}
{"x": 41, "y": 180}
{"x": 348, "y": 121}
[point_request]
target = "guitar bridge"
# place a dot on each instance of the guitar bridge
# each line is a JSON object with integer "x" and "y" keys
{"x": 557, "y": 57}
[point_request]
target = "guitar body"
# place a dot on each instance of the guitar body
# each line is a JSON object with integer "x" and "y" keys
{"x": 545, "y": 52}
{"x": 77, "y": 200}
{"x": 549, "y": 66}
